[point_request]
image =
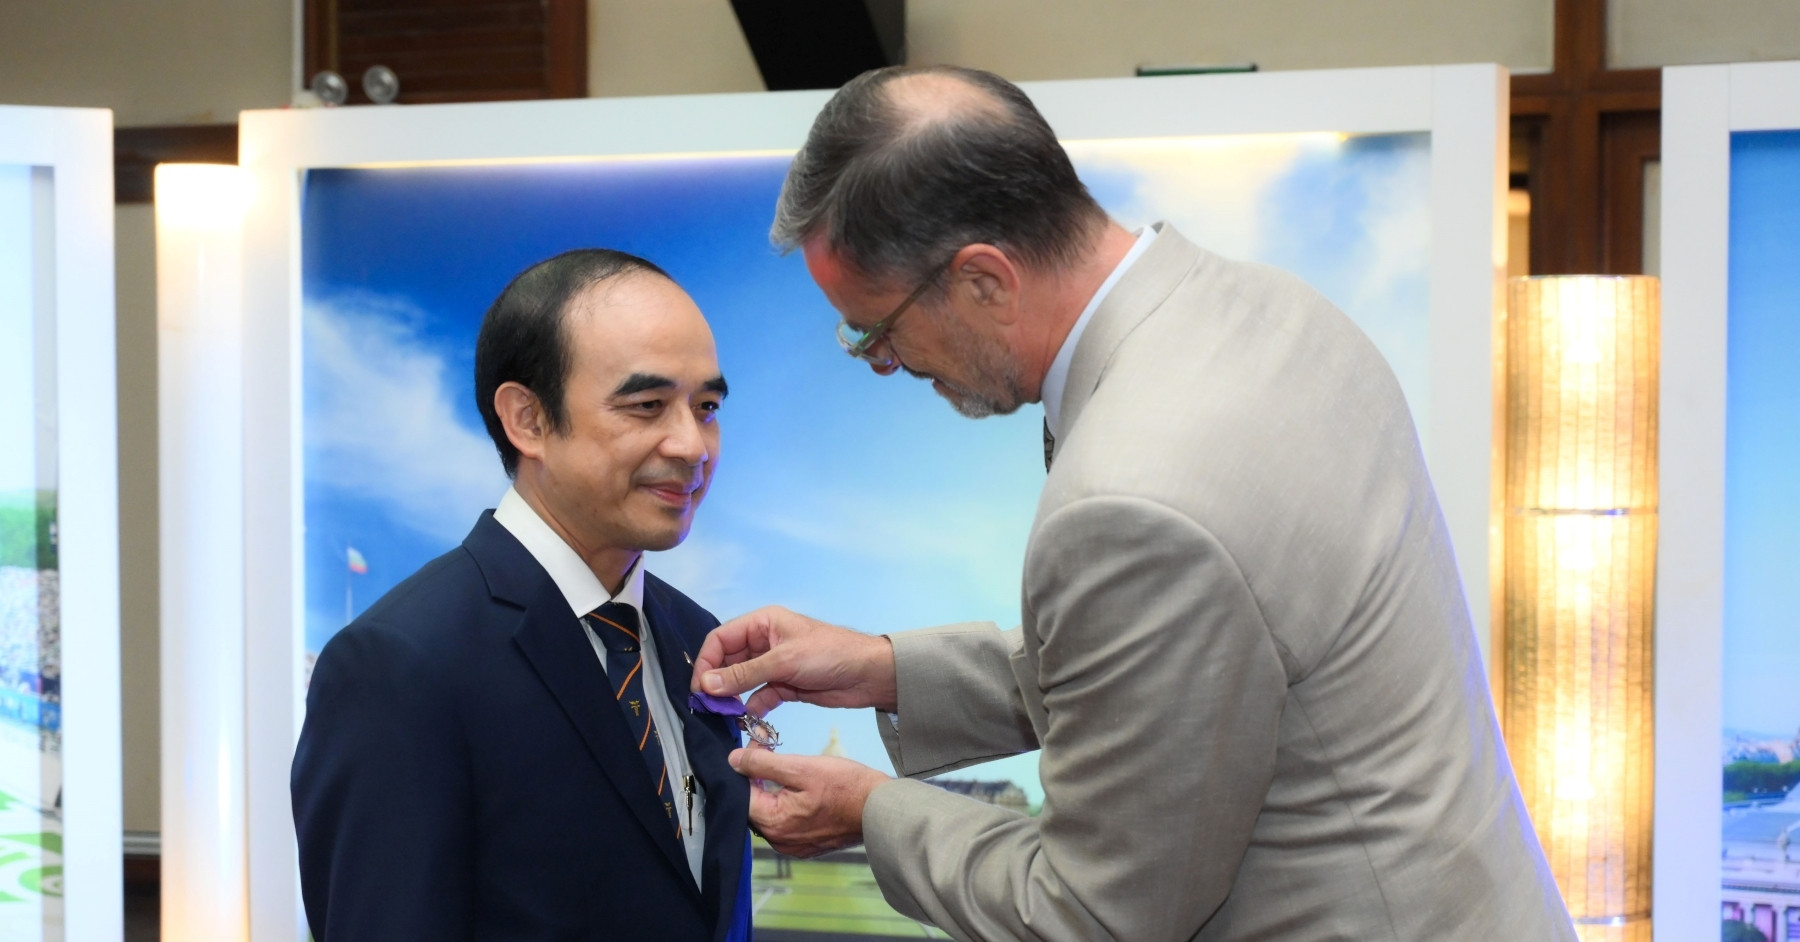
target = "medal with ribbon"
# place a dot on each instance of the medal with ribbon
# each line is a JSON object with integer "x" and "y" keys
{"x": 755, "y": 727}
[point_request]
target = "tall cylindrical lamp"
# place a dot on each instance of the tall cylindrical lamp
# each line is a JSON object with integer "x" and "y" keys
{"x": 1580, "y": 534}
{"x": 199, "y": 313}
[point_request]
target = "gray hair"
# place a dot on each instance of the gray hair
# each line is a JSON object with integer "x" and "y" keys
{"x": 897, "y": 195}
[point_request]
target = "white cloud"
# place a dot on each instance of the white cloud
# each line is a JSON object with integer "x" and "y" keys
{"x": 1397, "y": 221}
{"x": 1210, "y": 188}
{"x": 982, "y": 543}
{"x": 382, "y": 418}
{"x": 1216, "y": 190}
{"x": 708, "y": 570}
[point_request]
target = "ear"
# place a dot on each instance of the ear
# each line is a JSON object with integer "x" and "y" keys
{"x": 985, "y": 275}
{"x": 522, "y": 415}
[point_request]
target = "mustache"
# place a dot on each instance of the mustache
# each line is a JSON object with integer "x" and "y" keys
{"x": 687, "y": 479}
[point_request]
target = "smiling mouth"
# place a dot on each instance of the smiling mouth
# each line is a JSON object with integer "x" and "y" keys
{"x": 674, "y": 493}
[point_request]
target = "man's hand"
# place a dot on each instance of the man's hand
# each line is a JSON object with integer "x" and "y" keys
{"x": 819, "y": 806}
{"x": 795, "y": 658}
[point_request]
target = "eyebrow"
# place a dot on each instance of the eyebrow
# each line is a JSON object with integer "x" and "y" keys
{"x": 644, "y": 382}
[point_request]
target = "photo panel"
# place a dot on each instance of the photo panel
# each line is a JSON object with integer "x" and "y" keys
{"x": 1728, "y": 648}
{"x": 857, "y": 499}
{"x": 1760, "y": 752}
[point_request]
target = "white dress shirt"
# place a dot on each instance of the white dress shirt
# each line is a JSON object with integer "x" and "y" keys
{"x": 1051, "y": 392}
{"x": 584, "y": 593}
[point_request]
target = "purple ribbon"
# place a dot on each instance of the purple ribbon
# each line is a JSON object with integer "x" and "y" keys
{"x": 723, "y": 706}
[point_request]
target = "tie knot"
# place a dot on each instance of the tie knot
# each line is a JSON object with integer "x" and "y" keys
{"x": 617, "y": 625}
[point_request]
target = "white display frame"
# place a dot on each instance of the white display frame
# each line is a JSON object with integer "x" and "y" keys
{"x": 76, "y": 146}
{"x": 1463, "y": 108}
{"x": 1702, "y": 107}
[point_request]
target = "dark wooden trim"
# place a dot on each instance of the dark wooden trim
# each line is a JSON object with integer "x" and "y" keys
{"x": 137, "y": 151}
{"x": 143, "y": 873}
{"x": 1585, "y": 125}
{"x": 1628, "y": 141}
{"x": 321, "y": 33}
{"x": 453, "y": 50}
{"x": 566, "y": 48}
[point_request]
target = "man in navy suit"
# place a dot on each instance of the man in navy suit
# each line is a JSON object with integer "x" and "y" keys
{"x": 501, "y": 747}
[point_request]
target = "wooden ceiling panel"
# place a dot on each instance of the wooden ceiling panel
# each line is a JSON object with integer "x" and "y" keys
{"x": 453, "y": 50}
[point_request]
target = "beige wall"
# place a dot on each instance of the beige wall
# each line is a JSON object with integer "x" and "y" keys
{"x": 638, "y": 47}
{"x": 1646, "y": 33}
{"x": 151, "y": 61}
{"x": 667, "y": 47}
{"x": 135, "y": 241}
{"x": 1049, "y": 39}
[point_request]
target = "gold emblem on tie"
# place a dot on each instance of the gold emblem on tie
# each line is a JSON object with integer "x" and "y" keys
{"x": 636, "y": 706}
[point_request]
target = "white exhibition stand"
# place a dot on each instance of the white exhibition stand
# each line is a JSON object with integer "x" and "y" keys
{"x": 69, "y": 151}
{"x": 1702, "y": 107}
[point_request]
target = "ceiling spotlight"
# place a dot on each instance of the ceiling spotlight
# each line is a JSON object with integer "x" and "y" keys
{"x": 330, "y": 87}
{"x": 381, "y": 84}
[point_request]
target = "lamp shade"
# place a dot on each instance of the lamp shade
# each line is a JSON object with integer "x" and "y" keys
{"x": 1580, "y": 538}
{"x": 199, "y": 302}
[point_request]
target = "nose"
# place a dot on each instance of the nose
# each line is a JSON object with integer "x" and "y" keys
{"x": 886, "y": 367}
{"x": 686, "y": 439}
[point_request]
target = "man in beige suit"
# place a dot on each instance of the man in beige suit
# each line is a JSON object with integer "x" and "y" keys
{"x": 1245, "y": 655}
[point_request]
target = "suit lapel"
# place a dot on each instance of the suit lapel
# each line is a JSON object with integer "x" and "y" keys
{"x": 1142, "y": 289}
{"x": 709, "y": 740}
{"x": 551, "y": 638}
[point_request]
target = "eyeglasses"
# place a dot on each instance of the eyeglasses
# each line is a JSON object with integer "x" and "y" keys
{"x": 858, "y": 343}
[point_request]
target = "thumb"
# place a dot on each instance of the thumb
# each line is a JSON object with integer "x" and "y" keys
{"x": 734, "y": 679}
{"x": 763, "y": 764}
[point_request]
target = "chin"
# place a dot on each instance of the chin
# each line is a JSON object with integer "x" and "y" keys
{"x": 975, "y": 407}
{"x": 660, "y": 539}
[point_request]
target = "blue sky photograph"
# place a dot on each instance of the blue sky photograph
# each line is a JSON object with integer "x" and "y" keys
{"x": 854, "y": 498}
{"x": 1762, "y": 437}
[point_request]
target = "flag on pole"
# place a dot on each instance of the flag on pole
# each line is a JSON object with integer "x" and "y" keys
{"x": 358, "y": 564}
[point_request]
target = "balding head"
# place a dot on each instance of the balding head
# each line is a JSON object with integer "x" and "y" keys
{"x": 922, "y": 98}
{"x": 905, "y": 166}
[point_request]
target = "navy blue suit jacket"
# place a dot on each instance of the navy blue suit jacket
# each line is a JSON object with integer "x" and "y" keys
{"x": 464, "y": 773}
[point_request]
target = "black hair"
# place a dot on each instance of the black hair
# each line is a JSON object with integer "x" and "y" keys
{"x": 523, "y": 337}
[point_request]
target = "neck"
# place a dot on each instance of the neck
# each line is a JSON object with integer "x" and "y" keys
{"x": 1067, "y": 293}
{"x": 609, "y": 564}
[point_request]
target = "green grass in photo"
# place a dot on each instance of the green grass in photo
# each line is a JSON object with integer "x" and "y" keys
{"x": 838, "y": 897}
{"x": 28, "y": 529}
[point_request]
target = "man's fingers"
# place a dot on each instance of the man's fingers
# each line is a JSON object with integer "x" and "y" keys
{"x": 764, "y": 805}
{"x": 769, "y": 697}
{"x": 733, "y": 679}
{"x": 736, "y": 640}
{"x": 761, "y": 763}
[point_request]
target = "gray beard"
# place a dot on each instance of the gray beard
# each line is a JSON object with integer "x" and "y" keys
{"x": 993, "y": 367}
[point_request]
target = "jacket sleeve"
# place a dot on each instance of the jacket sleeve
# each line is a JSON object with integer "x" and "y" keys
{"x": 381, "y": 792}
{"x": 1162, "y": 693}
{"x": 959, "y": 702}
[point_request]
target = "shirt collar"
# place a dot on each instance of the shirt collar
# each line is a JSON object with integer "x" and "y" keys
{"x": 571, "y": 574}
{"x": 1051, "y": 391}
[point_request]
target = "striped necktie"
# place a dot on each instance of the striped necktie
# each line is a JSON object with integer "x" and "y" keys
{"x": 617, "y": 626}
{"x": 1049, "y": 444}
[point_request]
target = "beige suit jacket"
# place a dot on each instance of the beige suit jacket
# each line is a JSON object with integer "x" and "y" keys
{"x": 1245, "y": 655}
